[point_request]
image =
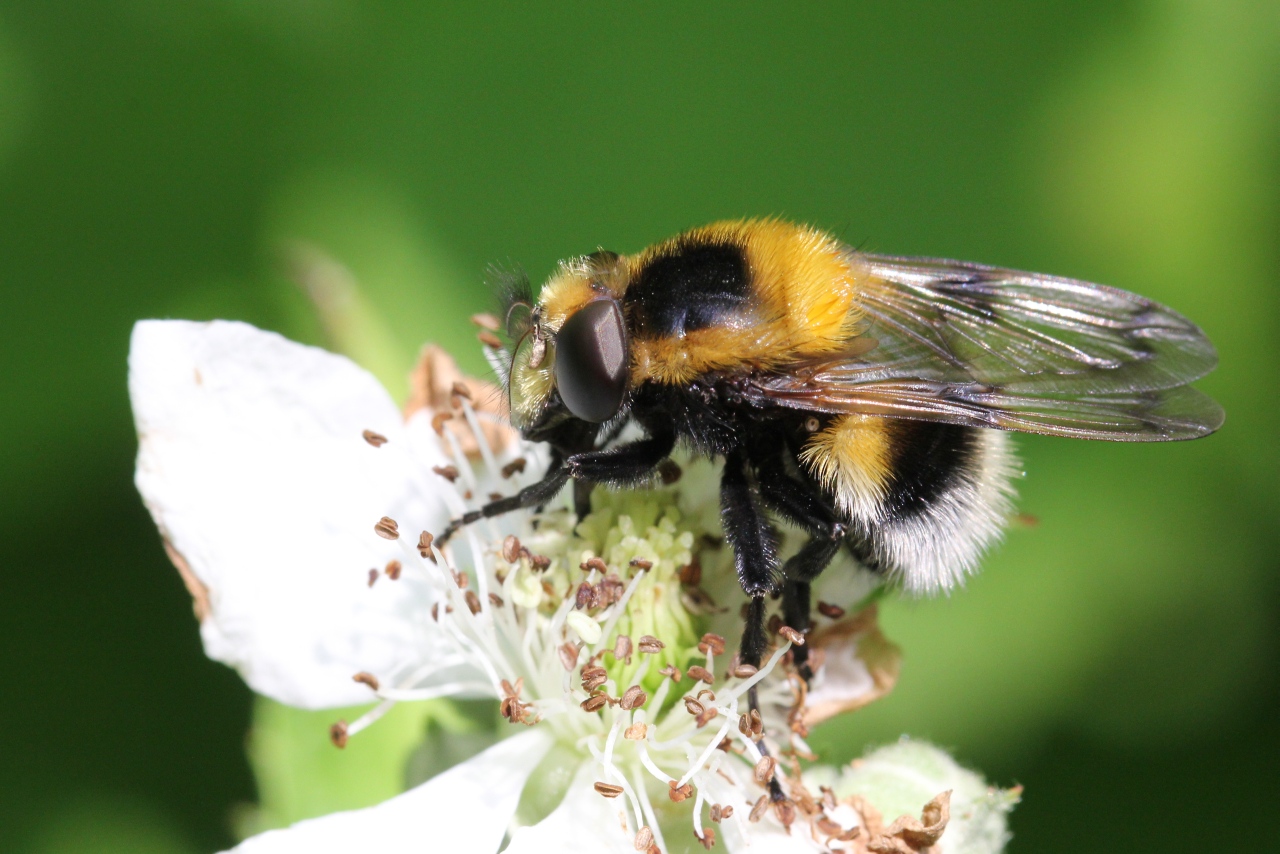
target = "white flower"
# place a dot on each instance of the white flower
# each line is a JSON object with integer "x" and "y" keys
{"x": 295, "y": 499}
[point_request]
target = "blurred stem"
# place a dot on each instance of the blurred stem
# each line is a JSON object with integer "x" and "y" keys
{"x": 350, "y": 322}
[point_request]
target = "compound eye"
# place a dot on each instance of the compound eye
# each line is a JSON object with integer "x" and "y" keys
{"x": 591, "y": 361}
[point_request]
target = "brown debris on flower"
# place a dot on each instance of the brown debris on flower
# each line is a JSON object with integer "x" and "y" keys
{"x": 858, "y": 664}
{"x": 431, "y": 387}
{"x": 908, "y": 835}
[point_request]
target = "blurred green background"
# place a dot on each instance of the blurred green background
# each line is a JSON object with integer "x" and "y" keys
{"x": 1120, "y": 659}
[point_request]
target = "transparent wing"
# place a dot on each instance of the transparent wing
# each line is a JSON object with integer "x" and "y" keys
{"x": 983, "y": 346}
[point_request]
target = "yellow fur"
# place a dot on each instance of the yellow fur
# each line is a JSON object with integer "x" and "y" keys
{"x": 853, "y": 458}
{"x": 805, "y": 303}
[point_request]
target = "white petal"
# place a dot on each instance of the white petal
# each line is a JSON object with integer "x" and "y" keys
{"x": 252, "y": 463}
{"x": 465, "y": 810}
{"x": 584, "y": 823}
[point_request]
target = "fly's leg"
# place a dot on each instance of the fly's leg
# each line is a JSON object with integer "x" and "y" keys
{"x": 755, "y": 554}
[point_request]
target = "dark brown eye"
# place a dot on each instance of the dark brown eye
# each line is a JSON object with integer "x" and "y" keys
{"x": 591, "y": 361}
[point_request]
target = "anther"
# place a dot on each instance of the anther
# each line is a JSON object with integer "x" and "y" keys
{"x": 516, "y": 466}
{"x": 719, "y": 813}
{"x": 706, "y": 695}
{"x": 366, "y": 679}
{"x": 495, "y": 600}
{"x": 496, "y": 496}
{"x": 708, "y": 838}
{"x": 449, "y": 473}
{"x": 826, "y": 609}
{"x": 792, "y": 635}
{"x": 387, "y": 528}
{"x": 460, "y": 578}
{"x": 460, "y": 390}
{"x": 375, "y": 439}
{"x": 690, "y": 574}
{"x": 636, "y": 732}
{"x": 641, "y": 564}
{"x": 622, "y": 649}
{"x": 393, "y": 569}
{"x": 758, "y": 811}
{"x": 644, "y": 839}
{"x": 745, "y": 671}
{"x": 424, "y": 545}
{"x": 679, "y": 793}
{"x": 757, "y": 723}
{"x": 568, "y": 653}
{"x": 594, "y": 563}
{"x": 338, "y": 734}
{"x": 773, "y": 624}
{"x": 373, "y": 576}
{"x": 486, "y": 321}
{"x": 511, "y": 549}
{"x": 649, "y": 644}
{"x": 594, "y": 704}
{"x": 608, "y": 790}
{"x": 672, "y": 671}
{"x": 701, "y": 674}
{"x": 437, "y": 421}
{"x": 488, "y": 339}
{"x": 711, "y": 642}
{"x": 765, "y": 768}
{"x": 785, "y": 812}
{"x": 473, "y": 601}
{"x": 585, "y": 597}
{"x": 593, "y": 678}
{"x": 634, "y": 696}
{"x": 706, "y": 716}
{"x": 539, "y": 562}
{"x": 693, "y": 707}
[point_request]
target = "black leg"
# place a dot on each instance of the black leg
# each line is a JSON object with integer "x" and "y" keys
{"x": 625, "y": 465}
{"x": 804, "y": 566}
{"x": 531, "y": 496}
{"x": 806, "y": 506}
{"x": 755, "y": 547}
